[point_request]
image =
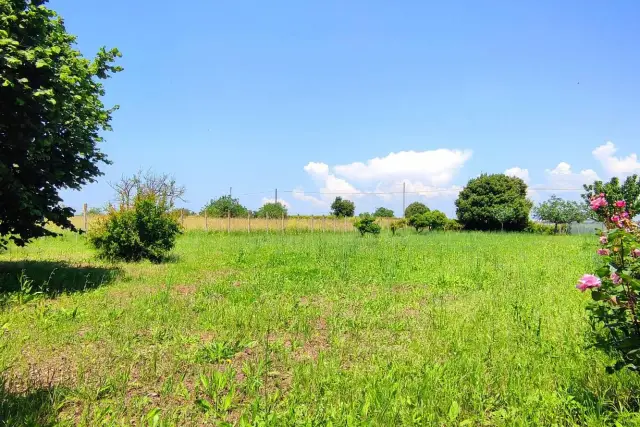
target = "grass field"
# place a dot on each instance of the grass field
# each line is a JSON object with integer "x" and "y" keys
{"x": 308, "y": 329}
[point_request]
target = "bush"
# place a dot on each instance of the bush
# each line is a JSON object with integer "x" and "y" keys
{"x": 433, "y": 220}
{"x": 415, "y": 208}
{"x": 397, "y": 225}
{"x": 453, "y": 225}
{"x": 145, "y": 231}
{"x": 615, "y": 287}
{"x": 539, "y": 228}
{"x": 367, "y": 224}
{"x": 485, "y": 196}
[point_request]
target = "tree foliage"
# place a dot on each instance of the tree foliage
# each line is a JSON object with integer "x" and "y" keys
{"x": 478, "y": 201}
{"x": 415, "y": 208}
{"x": 222, "y": 206}
{"x": 51, "y": 116}
{"x": 342, "y": 207}
{"x": 382, "y": 212}
{"x": 366, "y": 224}
{"x": 272, "y": 210}
{"x": 430, "y": 220}
{"x": 558, "y": 211}
{"x": 629, "y": 191}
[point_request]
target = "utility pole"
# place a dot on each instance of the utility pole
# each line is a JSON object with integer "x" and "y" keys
{"x": 276, "y": 195}
{"x": 230, "y": 188}
{"x": 404, "y": 197}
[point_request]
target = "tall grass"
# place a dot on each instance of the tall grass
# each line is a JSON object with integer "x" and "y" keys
{"x": 301, "y": 329}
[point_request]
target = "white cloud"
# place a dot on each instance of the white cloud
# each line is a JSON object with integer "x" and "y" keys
{"x": 299, "y": 194}
{"x": 330, "y": 185}
{"x": 616, "y": 166}
{"x": 317, "y": 170}
{"x": 388, "y": 192}
{"x": 435, "y": 167}
{"x": 281, "y": 201}
{"x": 562, "y": 177}
{"x": 523, "y": 174}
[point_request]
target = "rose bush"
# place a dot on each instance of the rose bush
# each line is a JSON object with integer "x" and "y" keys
{"x": 615, "y": 287}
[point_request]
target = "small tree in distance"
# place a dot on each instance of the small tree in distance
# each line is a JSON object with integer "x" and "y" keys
{"x": 415, "y": 208}
{"x": 503, "y": 214}
{"x": 367, "y": 224}
{"x": 558, "y": 211}
{"x": 272, "y": 210}
{"x": 223, "y": 206}
{"x": 342, "y": 207}
{"x": 382, "y": 212}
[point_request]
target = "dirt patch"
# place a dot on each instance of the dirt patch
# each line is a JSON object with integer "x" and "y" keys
{"x": 236, "y": 284}
{"x": 185, "y": 290}
{"x": 318, "y": 342}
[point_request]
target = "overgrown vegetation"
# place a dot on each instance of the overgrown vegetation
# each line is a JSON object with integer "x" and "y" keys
{"x": 272, "y": 210}
{"x": 342, "y": 207}
{"x": 250, "y": 330}
{"x": 366, "y": 224}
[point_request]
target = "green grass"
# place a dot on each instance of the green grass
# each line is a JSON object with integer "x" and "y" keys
{"x": 438, "y": 329}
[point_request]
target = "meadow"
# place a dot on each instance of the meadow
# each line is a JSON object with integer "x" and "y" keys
{"x": 330, "y": 329}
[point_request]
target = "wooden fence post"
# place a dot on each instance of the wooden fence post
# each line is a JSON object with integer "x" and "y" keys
{"x": 345, "y": 224}
{"x": 282, "y": 224}
{"x": 206, "y": 224}
{"x": 267, "y": 222}
{"x": 312, "y": 223}
{"x": 248, "y": 222}
{"x": 334, "y": 224}
{"x": 182, "y": 217}
{"x": 323, "y": 223}
{"x": 228, "y": 221}
{"x": 84, "y": 215}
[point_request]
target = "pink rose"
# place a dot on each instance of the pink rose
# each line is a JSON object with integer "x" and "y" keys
{"x": 625, "y": 215}
{"x": 604, "y": 240}
{"x": 621, "y": 204}
{"x": 598, "y": 202}
{"x": 616, "y": 279}
{"x": 603, "y": 252}
{"x": 588, "y": 281}
{"x": 635, "y": 253}
{"x": 615, "y": 218}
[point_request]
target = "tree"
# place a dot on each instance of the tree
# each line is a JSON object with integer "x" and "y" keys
{"x": 51, "y": 118}
{"x": 397, "y": 225}
{"x": 419, "y": 222}
{"x": 476, "y": 205}
{"x": 558, "y": 211}
{"x": 162, "y": 187}
{"x": 503, "y": 214}
{"x": 342, "y": 207}
{"x": 95, "y": 211}
{"x": 383, "y": 213}
{"x": 629, "y": 191}
{"x": 415, "y": 208}
{"x": 431, "y": 220}
{"x": 222, "y": 206}
{"x": 367, "y": 224}
{"x": 272, "y": 210}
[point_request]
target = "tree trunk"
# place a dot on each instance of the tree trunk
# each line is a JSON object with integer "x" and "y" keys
{"x": 555, "y": 231}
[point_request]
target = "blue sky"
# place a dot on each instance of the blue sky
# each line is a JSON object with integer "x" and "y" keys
{"x": 294, "y": 95}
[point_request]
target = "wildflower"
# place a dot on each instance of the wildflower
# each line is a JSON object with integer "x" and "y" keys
{"x": 625, "y": 215}
{"x": 635, "y": 253}
{"x": 621, "y": 204}
{"x": 615, "y": 218}
{"x": 604, "y": 240}
{"x": 615, "y": 278}
{"x": 588, "y": 281}
{"x": 603, "y": 252}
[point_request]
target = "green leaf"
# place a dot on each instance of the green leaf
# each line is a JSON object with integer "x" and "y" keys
{"x": 454, "y": 411}
{"x": 41, "y": 63}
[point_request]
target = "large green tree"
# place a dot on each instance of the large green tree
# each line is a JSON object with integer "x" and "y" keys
{"x": 558, "y": 211}
{"x": 272, "y": 210}
{"x": 51, "y": 117}
{"x": 342, "y": 207}
{"x": 383, "y": 212}
{"x": 415, "y": 208}
{"x": 223, "y": 206}
{"x": 479, "y": 201}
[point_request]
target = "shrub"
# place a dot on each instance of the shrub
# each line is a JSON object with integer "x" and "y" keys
{"x": 144, "y": 231}
{"x": 367, "y": 224}
{"x": 272, "y": 210}
{"x": 223, "y": 206}
{"x": 479, "y": 201}
{"x": 539, "y": 228}
{"x": 433, "y": 220}
{"x": 342, "y": 207}
{"x": 615, "y": 288}
{"x": 453, "y": 225}
{"x": 397, "y": 225}
{"x": 383, "y": 213}
{"x": 415, "y": 208}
